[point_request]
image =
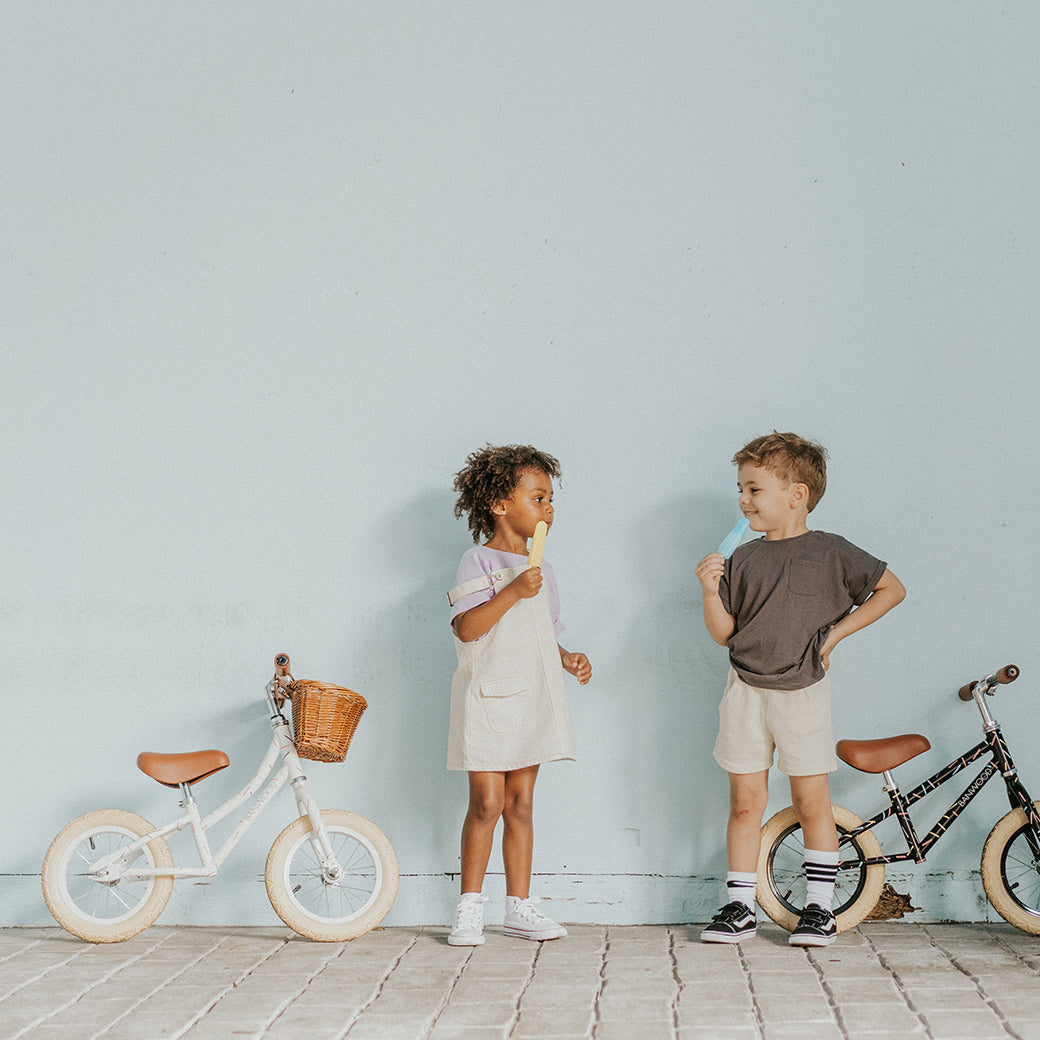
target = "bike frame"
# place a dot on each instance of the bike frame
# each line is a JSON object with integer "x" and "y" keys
{"x": 918, "y": 848}
{"x": 117, "y": 865}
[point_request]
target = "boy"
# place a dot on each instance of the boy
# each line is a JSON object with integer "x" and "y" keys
{"x": 781, "y": 604}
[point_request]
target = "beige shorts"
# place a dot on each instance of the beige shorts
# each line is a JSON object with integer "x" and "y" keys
{"x": 795, "y": 723}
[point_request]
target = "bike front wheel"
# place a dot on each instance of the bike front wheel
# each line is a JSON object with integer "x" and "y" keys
{"x": 116, "y": 908}
{"x": 332, "y": 910}
{"x": 781, "y": 871}
{"x": 1011, "y": 871}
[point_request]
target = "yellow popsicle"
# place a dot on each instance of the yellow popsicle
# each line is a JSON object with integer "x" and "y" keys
{"x": 534, "y": 557}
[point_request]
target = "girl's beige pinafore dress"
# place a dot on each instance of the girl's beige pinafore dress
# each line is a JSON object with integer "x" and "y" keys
{"x": 508, "y": 698}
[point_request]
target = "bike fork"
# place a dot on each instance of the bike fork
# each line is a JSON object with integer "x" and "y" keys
{"x": 1018, "y": 796}
{"x": 331, "y": 869}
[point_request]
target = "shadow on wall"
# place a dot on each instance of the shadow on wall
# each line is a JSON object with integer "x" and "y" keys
{"x": 408, "y": 657}
{"x": 682, "y": 671}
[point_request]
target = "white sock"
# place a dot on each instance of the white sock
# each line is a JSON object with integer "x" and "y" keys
{"x": 468, "y": 897}
{"x": 513, "y": 904}
{"x": 740, "y": 888}
{"x": 821, "y": 868}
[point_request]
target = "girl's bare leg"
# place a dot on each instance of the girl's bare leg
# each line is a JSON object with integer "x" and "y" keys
{"x": 518, "y": 830}
{"x": 486, "y": 802}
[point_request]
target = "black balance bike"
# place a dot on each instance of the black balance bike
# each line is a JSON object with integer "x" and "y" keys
{"x": 1010, "y": 857}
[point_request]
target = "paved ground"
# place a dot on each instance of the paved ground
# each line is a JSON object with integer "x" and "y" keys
{"x": 894, "y": 980}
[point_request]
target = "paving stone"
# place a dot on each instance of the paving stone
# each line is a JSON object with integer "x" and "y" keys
{"x": 977, "y": 1024}
{"x": 629, "y": 1028}
{"x": 635, "y": 1008}
{"x": 719, "y": 1032}
{"x": 802, "y": 1031}
{"x": 890, "y": 1019}
{"x": 569, "y": 1022}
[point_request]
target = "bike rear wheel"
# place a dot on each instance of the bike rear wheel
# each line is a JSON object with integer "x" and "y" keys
{"x": 111, "y": 910}
{"x": 1011, "y": 871}
{"x": 332, "y": 910}
{"x": 781, "y": 872}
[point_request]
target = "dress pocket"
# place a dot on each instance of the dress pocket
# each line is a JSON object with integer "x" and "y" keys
{"x": 506, "y": 704}
{"x": 807, "y": 577}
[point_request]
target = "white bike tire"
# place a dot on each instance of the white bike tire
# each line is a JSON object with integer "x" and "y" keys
{"x": 779, "y": 905}
{"x": 1010, "y": 874}
{"x": 332, "y": 913}
{"x": 97, "y": 912}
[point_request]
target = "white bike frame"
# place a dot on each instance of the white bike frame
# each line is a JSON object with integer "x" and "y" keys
{"x": 116, "y": 866}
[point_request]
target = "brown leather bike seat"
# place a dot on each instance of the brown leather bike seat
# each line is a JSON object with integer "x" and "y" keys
{"x": 189, "y": 768}
{"x": 875, "y": 756}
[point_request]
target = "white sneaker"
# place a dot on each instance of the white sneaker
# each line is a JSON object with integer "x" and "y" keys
{"x": 525, "y": 921}
{"x": 468, "y": 929}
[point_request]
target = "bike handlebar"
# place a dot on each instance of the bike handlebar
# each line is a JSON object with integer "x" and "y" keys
{"x": 278, "y": 687}
{"x": 1009, "y": 673}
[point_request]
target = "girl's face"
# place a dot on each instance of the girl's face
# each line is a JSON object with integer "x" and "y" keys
{"x": 530, "y": 502}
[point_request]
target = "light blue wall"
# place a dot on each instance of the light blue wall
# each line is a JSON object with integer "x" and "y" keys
{"x": 271, "y": 271}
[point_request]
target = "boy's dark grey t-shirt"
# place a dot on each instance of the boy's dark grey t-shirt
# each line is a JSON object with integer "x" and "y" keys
{"x": 785, "y": 597}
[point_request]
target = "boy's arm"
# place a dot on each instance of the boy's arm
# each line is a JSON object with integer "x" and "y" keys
{"x": 577, "y": 664}
{"x": 888, "y": 593}
{"x": 480, "y": 620}
{"x": 718, "y": 621}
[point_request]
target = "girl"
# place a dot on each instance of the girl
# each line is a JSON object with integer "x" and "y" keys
{"x": 508, "y": 702}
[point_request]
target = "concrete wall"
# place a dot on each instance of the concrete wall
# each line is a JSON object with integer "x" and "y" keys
{"x": 271, "y": 272}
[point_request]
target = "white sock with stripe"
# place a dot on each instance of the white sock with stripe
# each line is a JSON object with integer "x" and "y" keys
{"x": 740, "y": 888}
{"x": 821, "y": 868}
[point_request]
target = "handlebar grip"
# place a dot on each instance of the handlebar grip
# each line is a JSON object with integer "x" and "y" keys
{"x": 281, "y": 665}
{"x": 1009, "y": 673}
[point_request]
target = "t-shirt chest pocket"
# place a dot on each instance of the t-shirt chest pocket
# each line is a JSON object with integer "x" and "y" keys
{"x": 807, "y": 577}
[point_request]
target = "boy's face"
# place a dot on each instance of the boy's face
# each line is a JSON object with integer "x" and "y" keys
{"x": 773, "y": 506}
{"x": 530, "y": 502}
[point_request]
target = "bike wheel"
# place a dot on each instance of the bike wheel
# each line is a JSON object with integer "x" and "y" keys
{"x": 781, "y": 871}
{"x": 332, "y": 911}
{"x": 1011, "y": 871}
{"x": 112, "y": 910}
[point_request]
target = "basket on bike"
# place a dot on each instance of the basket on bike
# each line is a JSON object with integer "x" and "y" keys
{"x": 324, "y": 719}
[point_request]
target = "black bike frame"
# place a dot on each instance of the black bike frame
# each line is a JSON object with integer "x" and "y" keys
{"x": 917, "y": 848}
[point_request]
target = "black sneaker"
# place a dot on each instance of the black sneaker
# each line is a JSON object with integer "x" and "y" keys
{"x": 733, "y": 922}
{"x": 816, "y": 927}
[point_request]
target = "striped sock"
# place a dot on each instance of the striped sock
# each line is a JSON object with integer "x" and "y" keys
{"x": 821, "y": 868}
{"x": 740, "y": 888}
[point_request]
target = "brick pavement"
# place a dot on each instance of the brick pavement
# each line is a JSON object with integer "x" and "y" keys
{"x": 884, "y": 980}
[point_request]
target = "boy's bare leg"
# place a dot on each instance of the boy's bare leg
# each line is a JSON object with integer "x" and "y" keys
{"x": 518, "y": 830}
{"x": 748, "y": 795}
{"x": 812, "y": 805}
{"x": 486, "y": 802}
{"x": 811, "y": 798}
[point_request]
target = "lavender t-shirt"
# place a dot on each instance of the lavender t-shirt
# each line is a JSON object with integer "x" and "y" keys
{"x": 481, "y": 560}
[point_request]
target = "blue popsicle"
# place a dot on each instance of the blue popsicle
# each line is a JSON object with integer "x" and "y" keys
{"x": 732, "y": 540}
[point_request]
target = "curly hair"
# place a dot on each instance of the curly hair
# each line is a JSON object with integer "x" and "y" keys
{"x": 791, "y": 458}
{"x": 491, "y": 475}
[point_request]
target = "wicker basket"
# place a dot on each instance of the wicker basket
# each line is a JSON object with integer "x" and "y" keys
{"x": 324, "y": 719}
